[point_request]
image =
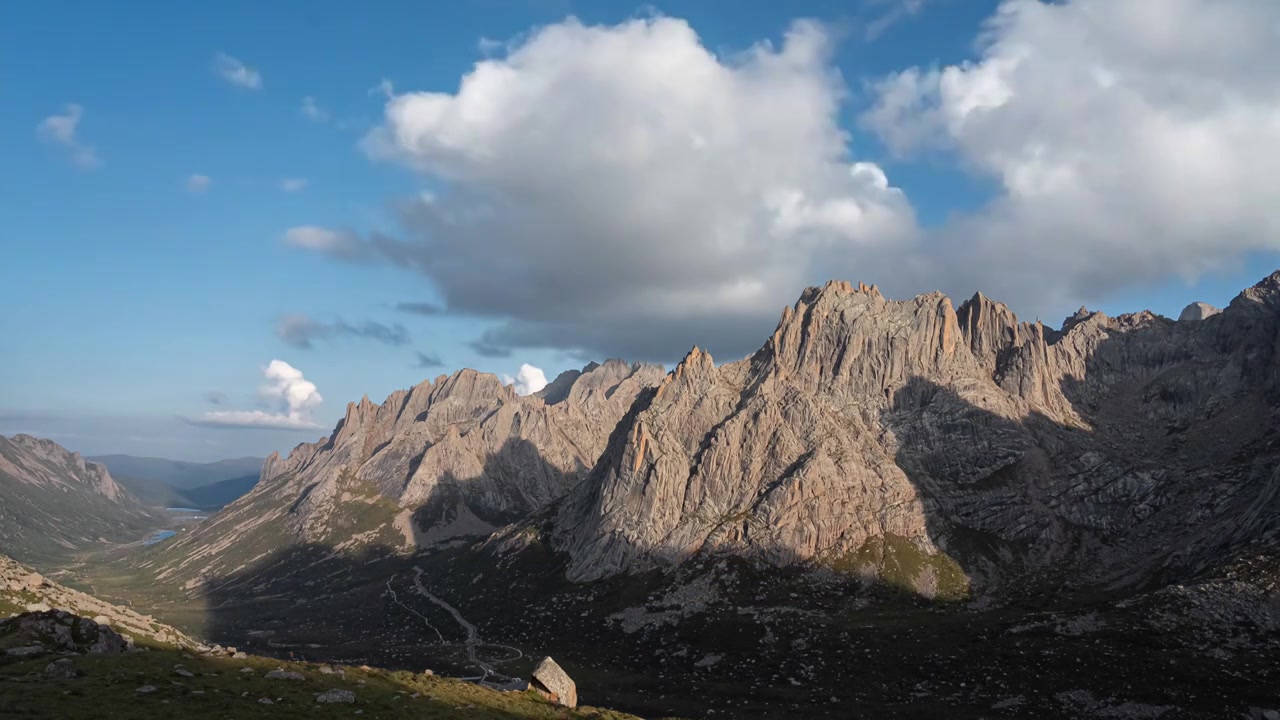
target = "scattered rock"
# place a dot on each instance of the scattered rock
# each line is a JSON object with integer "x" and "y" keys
{"x": 336, "y": 695}
{"x": 25, "y": 651}
{"x": 183, "y": 672}
{"x": 265, "y": 701}
{"x": 63, "y": 669}
{"x": 239, "y": 656}
{"x": 146, "y": 689}
{"x": 552, "y": 682}
{"x": 282, "y": 674}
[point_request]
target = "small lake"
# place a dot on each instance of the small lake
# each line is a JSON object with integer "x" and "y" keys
{"x": 160, "y": 536}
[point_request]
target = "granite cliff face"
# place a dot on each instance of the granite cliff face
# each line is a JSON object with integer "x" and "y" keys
{"x": 54, "y": 503}
{"x": 458, "y": 456}
{"x": 873, "y": 435}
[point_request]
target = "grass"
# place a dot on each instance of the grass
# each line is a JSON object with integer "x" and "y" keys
{"x": 900, "y": 563}
{"x": 221, "y": 688}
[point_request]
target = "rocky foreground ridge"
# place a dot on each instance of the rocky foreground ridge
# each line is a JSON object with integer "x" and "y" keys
{"x": 25, "y": 592}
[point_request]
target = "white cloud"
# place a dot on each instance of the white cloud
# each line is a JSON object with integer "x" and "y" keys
{"x": 694, "y": 200}
{"x": 236, "y": 72}
{"x": 292, "y": 394}
{"x": 198, "y": 183}
{"x": 528, "y": 380}
{"x": 61, "y": 130}
{"x": 383, "y": 88}
{"x": 312, "y": 111}
{"x": 887, "y": 13}
{"x": 1131, "y": 141}
{"x": 293, "y": 184}
{"x": 338, "y": 243}
{"x": 1128, "y": 141}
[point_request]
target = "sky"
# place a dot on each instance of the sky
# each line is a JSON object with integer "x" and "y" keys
{"x": 223, "y": 222}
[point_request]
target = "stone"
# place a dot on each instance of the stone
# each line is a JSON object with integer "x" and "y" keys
{"x": 145, "y": 689}
{"x": 63, "y": 668}
{"x": 34, "y": 581}
{"x": 25, "y": 651}
{"x": 282, "y": 674}
{"x": 336, "y": 695}
{"x": 239, "y": 656}
{"x": 265, "y": 701}
{"x": 551, "y": 681}
{"x": 183, "y": 672}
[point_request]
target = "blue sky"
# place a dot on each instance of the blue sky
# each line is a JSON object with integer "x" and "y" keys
{"x": 133, "y": 291}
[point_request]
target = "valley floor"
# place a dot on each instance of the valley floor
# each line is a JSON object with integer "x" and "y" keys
{"x": 726, "y": 639}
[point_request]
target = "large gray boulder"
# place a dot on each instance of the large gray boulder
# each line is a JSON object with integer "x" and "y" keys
{"x": 552, "y": 682}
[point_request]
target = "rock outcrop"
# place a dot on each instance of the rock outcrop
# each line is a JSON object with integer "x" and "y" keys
{"x": 54, "y": 503}
{"x": 34, "y": 602}
{"x": 961, "y": 443}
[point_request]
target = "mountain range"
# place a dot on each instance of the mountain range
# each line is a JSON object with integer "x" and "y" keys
{"x": 177, "y": 483}
{"x": 891, "y": 509}
{"x": 54, "y": 503}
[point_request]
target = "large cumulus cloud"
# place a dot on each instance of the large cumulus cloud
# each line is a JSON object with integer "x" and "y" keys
{"x": 622, "y": 190}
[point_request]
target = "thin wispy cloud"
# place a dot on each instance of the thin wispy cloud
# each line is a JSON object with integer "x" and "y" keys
{"x": 384, "y": 88}
{"x": 420, "y": 308}
{"x": 293, "y": 184}
{"x": 312, "y": 110}
{"x": 341, "y": 244}
{"x": 884, "y": 14}
{"x": 62, "y": 130}
{"x": 236, "y": 72}
{"x": 424, "y": 361}
{"x": 199, "y": 183}
{"x": 301, "y": 331}
{"x": 292, "y": 396}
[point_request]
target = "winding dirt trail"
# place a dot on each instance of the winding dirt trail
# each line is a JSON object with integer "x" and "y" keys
{"x": 473, "y": 636}
{"x": 396, "y": 599}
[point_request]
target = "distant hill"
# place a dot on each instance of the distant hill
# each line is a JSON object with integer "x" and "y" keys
{"x": 176, "y": 483}
{"x": 54, "y": 504}
{"x": 179, "y": 473}
{"x": 216, "y": 495}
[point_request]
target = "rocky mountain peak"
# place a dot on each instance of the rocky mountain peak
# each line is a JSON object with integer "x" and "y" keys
{"x": 864, "y": 419}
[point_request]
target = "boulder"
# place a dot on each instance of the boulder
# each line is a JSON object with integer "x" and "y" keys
{"x": 336, "y": 695}
{"x": 33, "y": 581}
{"x": 282, "y": 674}
{"x": 62, "y": 669}
{"x": 553, "y": 683}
